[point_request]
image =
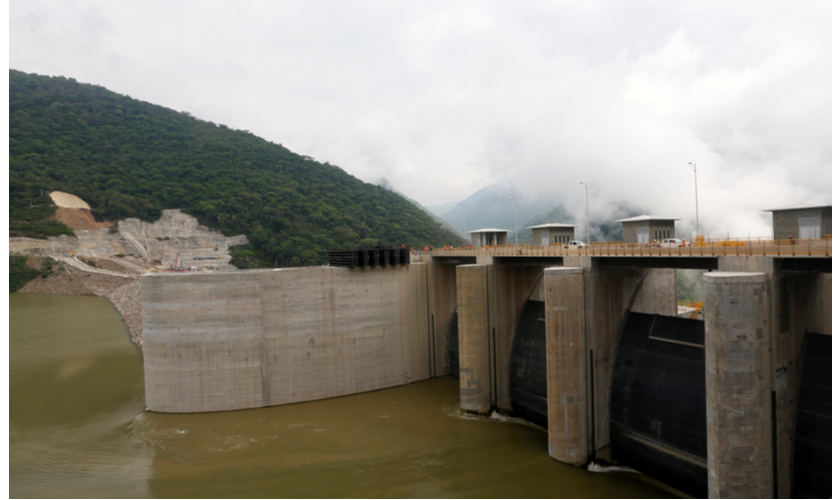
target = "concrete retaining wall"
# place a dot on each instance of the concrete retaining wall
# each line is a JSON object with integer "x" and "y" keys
{"x": 227, "y": 341}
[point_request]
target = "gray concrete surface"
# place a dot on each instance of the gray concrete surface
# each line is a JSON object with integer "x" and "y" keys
{"x": 226, "y": 341}
{"x": 473, "y": 338}
{"x": 567, "y": 389}
{"x": 738, "y": 368}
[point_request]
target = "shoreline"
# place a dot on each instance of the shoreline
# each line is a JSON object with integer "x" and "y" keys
{"x": 125, "y": 293}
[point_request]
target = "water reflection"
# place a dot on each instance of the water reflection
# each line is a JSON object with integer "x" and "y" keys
{"x": 78, "y": 429}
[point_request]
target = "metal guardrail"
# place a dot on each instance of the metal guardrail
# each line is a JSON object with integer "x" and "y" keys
{"x": 708, "y": 248}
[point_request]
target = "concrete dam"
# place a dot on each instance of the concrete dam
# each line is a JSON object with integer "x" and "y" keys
{"x": 587, "y": 346}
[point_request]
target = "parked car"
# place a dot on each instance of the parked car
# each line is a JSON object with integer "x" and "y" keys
{"x": 575, "y": 244}
{"x": 671, "y": 243}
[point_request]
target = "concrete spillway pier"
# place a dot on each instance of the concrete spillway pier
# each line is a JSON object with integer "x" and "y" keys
{"x": 738, "y": 365}
{"x": 474, "y": 339}
{"x": 567, "y": 391}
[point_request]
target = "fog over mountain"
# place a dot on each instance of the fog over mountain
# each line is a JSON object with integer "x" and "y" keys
{"x": 492, "y": 207}
{"x": 447, "y": 98}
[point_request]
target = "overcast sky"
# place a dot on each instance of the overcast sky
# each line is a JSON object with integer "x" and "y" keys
{"x": 443, "y": 98}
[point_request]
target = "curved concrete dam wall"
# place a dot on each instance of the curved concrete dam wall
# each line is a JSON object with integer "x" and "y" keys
{"x": 228, "y": 341}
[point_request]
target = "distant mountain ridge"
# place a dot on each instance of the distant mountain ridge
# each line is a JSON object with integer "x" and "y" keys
{"x": 493, "y": 207}
{"x": 129, "y": 158}
{"x": 557, "y": 215}
{"x": 441, "y": 209}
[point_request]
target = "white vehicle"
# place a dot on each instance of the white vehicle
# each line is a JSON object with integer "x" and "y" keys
{"x": 671, "y": 243}
{"x": 575, "y": 244}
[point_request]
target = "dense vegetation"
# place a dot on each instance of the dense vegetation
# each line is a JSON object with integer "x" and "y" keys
{"x": 30, "y": 208}
{"x": 20, "y": 273}
{"x": 129, "y": 158}
{"x": 690, "y": 285}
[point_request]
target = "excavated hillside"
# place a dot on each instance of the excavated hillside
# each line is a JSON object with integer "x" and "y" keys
{"x": 75, "y": 213}
{"x": 106, "y": 259}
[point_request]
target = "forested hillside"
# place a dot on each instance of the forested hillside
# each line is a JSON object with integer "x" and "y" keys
{"x": 129, "y": 158}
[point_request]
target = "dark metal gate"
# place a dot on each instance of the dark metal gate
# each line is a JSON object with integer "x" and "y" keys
{"x": 812, "y": 436}
{"x": 658, "y": 401}
{"x": 528, "y": 365}
{"x": 452, "y": 355}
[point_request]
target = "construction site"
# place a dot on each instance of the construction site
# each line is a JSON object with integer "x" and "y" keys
{"x": 175, "y": 242}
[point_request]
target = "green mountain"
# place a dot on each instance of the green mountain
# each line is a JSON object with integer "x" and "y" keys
{"x": 129, "y": 158}
{"x": 558, "y": 214}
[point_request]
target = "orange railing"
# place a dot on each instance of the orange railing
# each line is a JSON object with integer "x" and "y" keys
{"x": 690, "y": 307}
{"x": 706, "y": 248}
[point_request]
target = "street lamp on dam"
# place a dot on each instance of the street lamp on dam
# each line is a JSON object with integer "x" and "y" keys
{"x": 697, "y": 226}
{"x": 464, "y": 219}
{"x": 587, "y": 210}
{"x": 515, "y": 206}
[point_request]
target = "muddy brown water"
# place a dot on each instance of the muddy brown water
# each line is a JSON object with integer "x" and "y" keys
{"x": 78, "y": 428}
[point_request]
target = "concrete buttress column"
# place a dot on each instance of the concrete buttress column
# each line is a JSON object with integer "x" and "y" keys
{"x": 567, "y": 402}
{"x": 738, "y": 372}
{"x": 473, "y": 338}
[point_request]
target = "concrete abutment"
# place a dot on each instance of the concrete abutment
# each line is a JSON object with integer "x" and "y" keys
{"x": 228, "y": 341}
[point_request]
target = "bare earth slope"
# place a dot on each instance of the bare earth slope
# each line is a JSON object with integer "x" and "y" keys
{"x": 67, "y": 200}
{"x": 75, "y": 213}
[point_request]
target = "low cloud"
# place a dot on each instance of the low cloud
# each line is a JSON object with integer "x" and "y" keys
{"x": 445, "y": 98}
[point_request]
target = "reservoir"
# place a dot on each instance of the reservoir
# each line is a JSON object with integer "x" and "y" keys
{"x": 78, "y": 428}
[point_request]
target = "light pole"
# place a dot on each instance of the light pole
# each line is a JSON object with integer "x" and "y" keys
{"x": 515, "y": 206}
{"x": 587, "y": 210}
{"x": 464, "y": 221}
{"x": 697, "y": 225}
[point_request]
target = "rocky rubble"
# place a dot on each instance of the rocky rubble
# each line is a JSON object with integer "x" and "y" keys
{"x": 128, "y": 301}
